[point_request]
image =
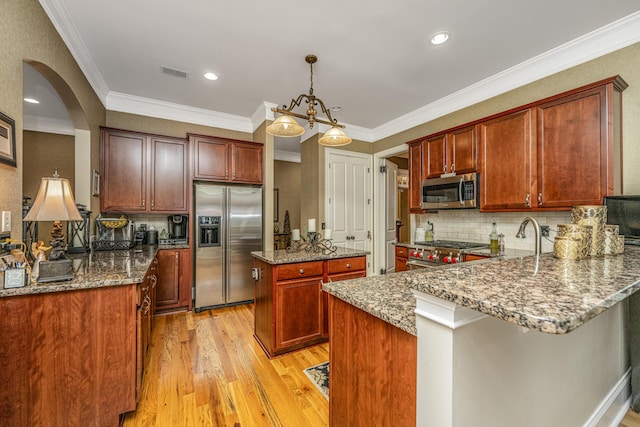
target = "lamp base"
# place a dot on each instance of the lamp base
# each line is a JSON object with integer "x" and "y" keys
{"x": 54, "y": 271}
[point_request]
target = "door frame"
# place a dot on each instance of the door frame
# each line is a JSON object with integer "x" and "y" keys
{"x": 378, "y": 208}
{"x": 370, "y": 210}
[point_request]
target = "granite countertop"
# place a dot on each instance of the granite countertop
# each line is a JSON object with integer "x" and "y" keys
{"x": 97, "y": 269}
{"x": 284, "y": 257}
{"x": 540, "y": 293}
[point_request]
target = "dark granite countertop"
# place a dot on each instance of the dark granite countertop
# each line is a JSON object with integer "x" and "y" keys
{"x": 284, "y": 257}
{"x": 97, "y": 269}
{"x": 545, "y": 294}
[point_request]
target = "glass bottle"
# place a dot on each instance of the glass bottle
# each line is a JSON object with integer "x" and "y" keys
{"x": 494, "y": 244}
{"x": 501, "y": 243}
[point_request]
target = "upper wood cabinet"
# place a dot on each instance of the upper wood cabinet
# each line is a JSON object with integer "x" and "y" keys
{"x": 554, "y": 154}
{"x": 143, "y": 173}
{"x": 221, "y": 159}
{"x": 416, "y": 168}
{"x": 451, "y": 152}
{"x": 507, "y": 155}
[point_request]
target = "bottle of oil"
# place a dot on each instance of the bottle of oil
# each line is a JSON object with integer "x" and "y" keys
{"x": 494, "y": 240}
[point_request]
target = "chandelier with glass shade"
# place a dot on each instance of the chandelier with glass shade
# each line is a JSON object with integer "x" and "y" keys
{"x": 286, "y": 126}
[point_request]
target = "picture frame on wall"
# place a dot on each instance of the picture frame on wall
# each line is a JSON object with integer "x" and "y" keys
{"x": 95, "y": 183}
{"x": 7, "y": 140}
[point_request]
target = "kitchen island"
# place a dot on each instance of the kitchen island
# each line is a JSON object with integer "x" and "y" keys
{"x": 521, "y": 341}
{"x": 72, "y": 352}
{"x": 290, "y": 307}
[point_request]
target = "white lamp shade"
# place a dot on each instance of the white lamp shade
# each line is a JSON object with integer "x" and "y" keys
{"x": 334, "y": 137}
{"x": 54, "y": 202}
{"x": 285, "y": 126}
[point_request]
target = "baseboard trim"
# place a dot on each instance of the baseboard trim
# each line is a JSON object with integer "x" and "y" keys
{"x": 614, "y": 406}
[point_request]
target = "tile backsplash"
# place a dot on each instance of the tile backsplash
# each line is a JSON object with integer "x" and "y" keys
{"x": 473, "y": 226}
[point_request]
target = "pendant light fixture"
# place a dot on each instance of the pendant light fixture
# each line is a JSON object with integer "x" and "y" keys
{"x": 286, "y": 126}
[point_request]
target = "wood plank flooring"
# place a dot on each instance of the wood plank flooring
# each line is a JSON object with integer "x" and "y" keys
{"x": 206, "y": 369}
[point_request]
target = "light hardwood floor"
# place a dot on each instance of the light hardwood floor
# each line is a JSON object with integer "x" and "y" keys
{"x": 206, "y": 369}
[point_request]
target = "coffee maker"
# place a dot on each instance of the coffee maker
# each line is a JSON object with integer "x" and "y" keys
{"x": 178, "y": 227}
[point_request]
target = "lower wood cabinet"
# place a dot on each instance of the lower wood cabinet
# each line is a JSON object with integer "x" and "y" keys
{"x": 173, "y": 280}
{"x": 290, "y": 306}
{"x": 145, "y": 303}
{"x": 402, "y": 256}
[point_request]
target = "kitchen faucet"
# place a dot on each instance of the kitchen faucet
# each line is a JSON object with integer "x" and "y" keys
{"x": 536, "y": 229}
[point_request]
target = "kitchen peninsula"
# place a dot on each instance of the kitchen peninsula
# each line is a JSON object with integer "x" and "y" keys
{"x": 525, "y": 341}
{"x": 290, "y": 307}
{"x": 73, "y": 352}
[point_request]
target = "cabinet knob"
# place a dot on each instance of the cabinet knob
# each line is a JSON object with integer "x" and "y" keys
{"x": 539, "y": 199}
{"x": 526, "y": 201}
{"x": 348, "y": 265}
{"x": 302, "y": 271}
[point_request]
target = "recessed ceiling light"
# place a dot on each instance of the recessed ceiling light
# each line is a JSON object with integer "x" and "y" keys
{"x": 31, "y": 101}
{"x": 439, "y": 38}
{"x": 336, "y": 108}
{"x": 210, "y": 76}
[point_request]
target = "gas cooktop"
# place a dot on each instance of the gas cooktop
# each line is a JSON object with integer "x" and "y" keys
{"x": 450, "y": 244}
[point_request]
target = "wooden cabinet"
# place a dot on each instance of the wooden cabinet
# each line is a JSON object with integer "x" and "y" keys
{"x": 221, "y": 159}
{"x": 555, "y": 154}
{"x": 402, "y": 256}
{"x": 290, "y": 307}
{"x": 415, "y": 175}
{"x": 472, "y": 257}
{"x": 452, "y": 152}
{"x": 145, "y": 301}
{"x": 507, "y": 155}
{"x": 173, "y": 291}
{"x": 143, "y": 173}
{"x": 69, "y": 357}
{"x": 373, "y": 368}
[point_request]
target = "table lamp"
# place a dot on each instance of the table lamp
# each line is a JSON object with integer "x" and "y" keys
{"x": 54, "y": 202}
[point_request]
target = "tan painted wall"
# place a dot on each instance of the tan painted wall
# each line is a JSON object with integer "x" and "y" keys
{"x": 43, "y": 152}
{"x": 27, "y": 34}
{"x": 625, "y": 62}
{"x": 287, "y": 178}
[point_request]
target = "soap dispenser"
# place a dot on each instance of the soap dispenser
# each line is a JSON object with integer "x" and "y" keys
{"x": 429, "y": 233}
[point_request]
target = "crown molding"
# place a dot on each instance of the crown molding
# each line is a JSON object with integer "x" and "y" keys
{"x": 59, "y": 15}
{"x": 602, "y": 41}
{"x": 48, "y": 125}
{"x": 167, "y": 110}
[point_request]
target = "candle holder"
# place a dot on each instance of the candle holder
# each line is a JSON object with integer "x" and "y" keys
{"x": 313, "y": 243}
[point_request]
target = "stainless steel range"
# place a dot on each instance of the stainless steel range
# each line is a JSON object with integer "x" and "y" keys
{"x": 439, "y": 252}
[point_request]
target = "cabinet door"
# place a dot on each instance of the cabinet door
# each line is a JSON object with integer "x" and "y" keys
{"x": 246, "y": 163}
{"x": 572, "y": 150}
{"x": 506, "y": 159}
{"x": 435, "y": 157}
{"x": 168, "y": 284}
{"x": 169, "y": 175}
{"x": 298, "y": 312}
{"x": 124, "y": 171}
{"x": 211, "y": 159}
{"x": 401, "y": 264}
{"x": 461, "y": 149}
{"x": 415, "y": 177}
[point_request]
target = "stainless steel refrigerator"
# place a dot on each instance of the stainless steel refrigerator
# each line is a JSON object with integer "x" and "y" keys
{"x": 228, "y": 221}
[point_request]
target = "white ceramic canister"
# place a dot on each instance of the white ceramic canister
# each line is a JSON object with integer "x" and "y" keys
{"x": 420, "y": 235}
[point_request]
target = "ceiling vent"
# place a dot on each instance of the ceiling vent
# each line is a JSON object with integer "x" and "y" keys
{"x": 175, "y": 73}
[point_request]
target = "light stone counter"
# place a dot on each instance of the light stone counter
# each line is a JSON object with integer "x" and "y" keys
{"x": 283, "y": 257}
{"x": 550, "y": 295}
{"x": 97, "y": 269}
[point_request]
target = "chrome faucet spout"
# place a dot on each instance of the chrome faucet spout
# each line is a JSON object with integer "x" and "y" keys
{"x": 536, "y": 228}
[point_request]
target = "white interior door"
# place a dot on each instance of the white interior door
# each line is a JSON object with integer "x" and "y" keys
{"x": 348, "y": 199}
{"x": 390, "y": 214}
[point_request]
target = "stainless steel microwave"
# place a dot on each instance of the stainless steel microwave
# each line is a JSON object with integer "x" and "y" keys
{"x": 452, "y": 192}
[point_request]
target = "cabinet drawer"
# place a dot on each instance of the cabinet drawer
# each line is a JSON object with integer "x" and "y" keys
{"x": 402, "y": 252}
{"x": 295, "y": 271}
{"x": 347, "y": 276}
{"x": 346, "y": 264}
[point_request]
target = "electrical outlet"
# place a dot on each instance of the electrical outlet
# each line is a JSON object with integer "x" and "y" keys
{"x": 544, "y": 230}
{"x": 6, "y": 221}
